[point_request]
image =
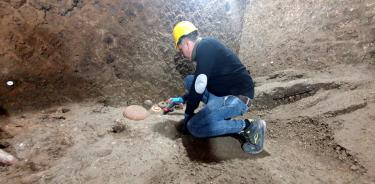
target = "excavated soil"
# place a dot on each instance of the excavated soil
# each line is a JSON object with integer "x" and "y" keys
{"x": 320, "y": 130}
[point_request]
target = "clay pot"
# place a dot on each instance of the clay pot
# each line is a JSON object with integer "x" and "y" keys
{"x": 135, "y": 112}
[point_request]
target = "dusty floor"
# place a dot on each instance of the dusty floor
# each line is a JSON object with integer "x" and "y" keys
{"x": 320, "y": 130}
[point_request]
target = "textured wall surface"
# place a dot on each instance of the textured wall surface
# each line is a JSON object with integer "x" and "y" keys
{"x": 120, "y": 50}
{"x": 314, "y": 34}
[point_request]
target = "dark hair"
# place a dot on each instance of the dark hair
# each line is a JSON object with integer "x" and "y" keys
{"x": 193, "y": 36}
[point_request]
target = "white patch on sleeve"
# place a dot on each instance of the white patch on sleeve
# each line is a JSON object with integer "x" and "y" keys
{"x": 200, "y": 83}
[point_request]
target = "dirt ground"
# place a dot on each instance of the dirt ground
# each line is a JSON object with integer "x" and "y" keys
{"x": 320, "y": 130}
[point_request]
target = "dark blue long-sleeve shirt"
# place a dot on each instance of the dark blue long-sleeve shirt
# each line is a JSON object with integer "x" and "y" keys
{"x": 219, "y": 71}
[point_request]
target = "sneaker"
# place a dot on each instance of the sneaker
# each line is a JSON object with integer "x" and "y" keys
{"x": 254, "y": 136}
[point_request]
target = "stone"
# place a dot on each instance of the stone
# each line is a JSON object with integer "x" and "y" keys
{"x": 59, "y": 117}
{"x": 354, "y": 168}
{"x": 148, "y": 104}
{"x": 7, "y": 158}
{"x": 135, "y": 112}
{"x": 118, "y": 127}
{"x": 65, "y": 110}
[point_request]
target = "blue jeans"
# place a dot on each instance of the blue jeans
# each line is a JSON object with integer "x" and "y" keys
{"x": 214, "y": 119}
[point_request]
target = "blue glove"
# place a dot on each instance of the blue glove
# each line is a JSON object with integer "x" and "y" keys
{"x": 176, "y": 100}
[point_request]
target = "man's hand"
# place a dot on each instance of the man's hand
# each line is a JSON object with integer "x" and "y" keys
{"x": 182, "y": 128}
{"x": 187, "y": 118}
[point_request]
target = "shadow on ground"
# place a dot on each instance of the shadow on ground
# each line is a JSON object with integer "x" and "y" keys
{"x": 208, "y": 150}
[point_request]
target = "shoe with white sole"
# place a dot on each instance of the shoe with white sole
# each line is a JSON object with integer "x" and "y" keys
{"x": 254, "y": 136}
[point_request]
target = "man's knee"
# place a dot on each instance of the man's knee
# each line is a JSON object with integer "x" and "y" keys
{"x": 194, "y": 131}
{"x": 188, "y": 81}
{"x": 197, "y": 131}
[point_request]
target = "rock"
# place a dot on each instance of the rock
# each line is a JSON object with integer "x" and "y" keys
{"x": 354, "y": 168}
{"x": 117, "y": 128}
{"x": 59, "y": 117}
{"x": 135, "y": 112}
{"x": 148, "y": 104}
{"x": 65, "y": 110}
{"x": 7, "y": 158}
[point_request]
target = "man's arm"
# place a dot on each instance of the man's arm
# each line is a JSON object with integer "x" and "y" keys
{"x": 205, "y": 61}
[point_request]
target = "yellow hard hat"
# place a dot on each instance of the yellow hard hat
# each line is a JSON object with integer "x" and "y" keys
{"x": 181, "y": 29}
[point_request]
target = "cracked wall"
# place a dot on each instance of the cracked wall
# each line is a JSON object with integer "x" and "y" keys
{"x": 119, "y": 52}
